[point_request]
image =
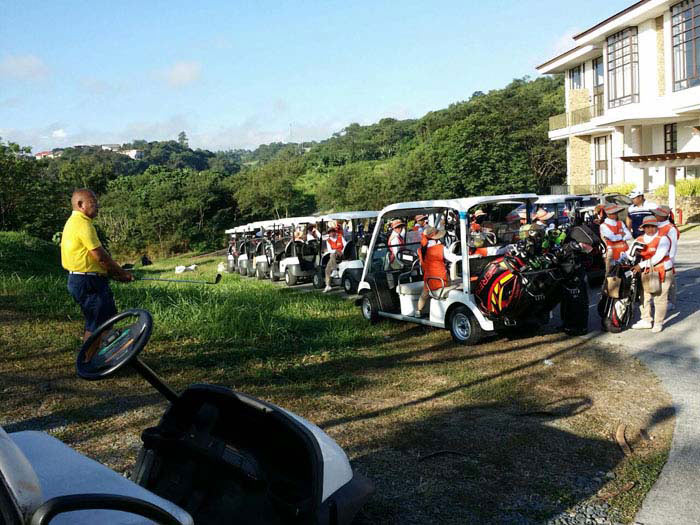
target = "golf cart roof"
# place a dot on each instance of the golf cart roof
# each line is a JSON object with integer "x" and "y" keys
{"x": 238, "y": 229}
{"x": 464, "y": 204}
{"x": 349, "y": 215}
{"x": 304, "y": 220}
{"x": 557, "y": 199}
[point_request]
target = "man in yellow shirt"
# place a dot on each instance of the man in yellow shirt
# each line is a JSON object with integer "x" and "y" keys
{"x": 88, "y": 263}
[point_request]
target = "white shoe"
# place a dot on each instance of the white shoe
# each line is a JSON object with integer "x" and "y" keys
{"x": 657, "y": 328}
{"x": 641, "y": 325}
{"x": 416, "y": 313}
{"x": 327, "y": 289}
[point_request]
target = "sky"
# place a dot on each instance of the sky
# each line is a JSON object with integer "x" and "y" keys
{"x": 236, "y": 74}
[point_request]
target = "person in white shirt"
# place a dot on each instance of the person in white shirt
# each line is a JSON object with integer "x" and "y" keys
{"x": 615, "y": 235}
{"x": 639, "y": 209}
{"x": 655, "y": 258}
{"x": 312, "y": 233}
{"x": 397, "y": 238}
{"x": 670, "y": 230}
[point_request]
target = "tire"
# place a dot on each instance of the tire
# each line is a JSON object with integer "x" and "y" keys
{"x": 289, "y": 279}
{"x": 259, "y": 274}
{"x": 464, "y": 327}
{"x": 318, "y": 281}
{"x": 349, "y": 285}
{"x": 370, "y": 308}
{"x": 243, "y": 271}
{"x": 274, "y": 277}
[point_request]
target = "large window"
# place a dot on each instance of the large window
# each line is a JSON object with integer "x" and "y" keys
{"x": 671, "y": 138}
{"x": 598, "y": 89}
{"x": 576, "y": 77}
{"x": 602, "y": 146}
{"x": 623, "y": 68}
{"x": 685, "y": 19}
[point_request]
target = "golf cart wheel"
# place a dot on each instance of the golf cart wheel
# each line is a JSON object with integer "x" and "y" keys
{"x": 243, "y": 271}
{"x": 259, "y": 274}
{"x": 318, "y": 281}
{"x": 289, "y": 279}
{"x": 349, "y": 285}
{"x": 464, "y": 327}
{"x": 273, "y": 276}
{"x": 370, "y": 309}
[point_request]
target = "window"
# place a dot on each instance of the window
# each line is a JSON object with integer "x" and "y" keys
{"x": 602, "y": 146}
{"x": 685, "y": 22}
{"x": 671, "y": 138}
{"x": 598, "y": 88}
{"x": 576, "y": 78}
{"x": 623, "y": 68}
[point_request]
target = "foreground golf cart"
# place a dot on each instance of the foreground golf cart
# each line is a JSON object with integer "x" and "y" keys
{"x": 301, "y": 255}
{"x": 216, "y": 456}
{"x": 496, "y": 284}
{"x": 349, "y": 271}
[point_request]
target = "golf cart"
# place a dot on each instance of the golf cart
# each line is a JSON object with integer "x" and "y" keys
{"x": 235, "y": 237}
{"x": 216, "y": 456}
{"x": 275, "y": 248}
{"x": 301, "y": 255}
{"x": 246, "y": 251}
{"x": 261, "y": 254}
{"x": 349, "y": 270}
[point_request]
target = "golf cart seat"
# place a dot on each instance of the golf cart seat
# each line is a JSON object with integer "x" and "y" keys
{"x": 39, "y": 472}
{"x": 410, "y": 288}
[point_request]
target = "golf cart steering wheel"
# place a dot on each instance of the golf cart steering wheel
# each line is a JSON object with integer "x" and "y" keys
{"x": 409, "y": 260}
{"x": 114, "y": 348}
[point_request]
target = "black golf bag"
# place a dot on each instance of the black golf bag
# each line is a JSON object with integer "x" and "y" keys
{"x": 617, "y": 299}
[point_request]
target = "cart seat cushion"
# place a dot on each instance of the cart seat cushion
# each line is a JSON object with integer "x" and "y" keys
{"x": 410, "y": 288}
{"x": 442, "y": 293}
{"x": 63, "y": 471}
{"x": 18, "y": 479}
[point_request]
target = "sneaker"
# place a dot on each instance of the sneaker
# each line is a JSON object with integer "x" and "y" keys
{"x": 641, "y": 325}
{"x": 327, "y": 289}
{"x": 657, "y": 328}
{"x": 416, "y": 313}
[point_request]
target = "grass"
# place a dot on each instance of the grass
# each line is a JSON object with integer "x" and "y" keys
{"x": 512, "y": 435}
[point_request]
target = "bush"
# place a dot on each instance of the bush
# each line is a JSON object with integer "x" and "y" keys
{"x": 23, "y": 254}
{"x": 684, "y": 188}
{"x": 623, "y": 188}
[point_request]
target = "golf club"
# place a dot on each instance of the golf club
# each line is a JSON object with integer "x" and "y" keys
{"x": 216, "y": 280}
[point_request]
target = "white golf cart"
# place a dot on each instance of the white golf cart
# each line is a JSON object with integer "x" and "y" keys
{"x": 261, "y": 261}
{"x": 301, "y": 254}
{"x": 392, "y": 290}
{"x": 349, "y": 270}
{"x": 251, "y": 237}
{"x": 275, "y": 247}
{"x": 235, "y": 238}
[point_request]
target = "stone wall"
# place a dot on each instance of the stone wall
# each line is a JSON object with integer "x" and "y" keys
{"x": 689, "y": 205}
{"x": 579, "y": 98}
{"x": 660, "y": 57}
{"x": 579, "y": 161}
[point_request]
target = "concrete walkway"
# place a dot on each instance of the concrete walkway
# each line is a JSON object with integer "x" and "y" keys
{"x": 674, "y": 356}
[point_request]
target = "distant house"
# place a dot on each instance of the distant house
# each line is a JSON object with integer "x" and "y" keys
{"x": 111, "y": 147}
{"x": 632, "y": 98}
{"x": 133, "y": 153}
{"x": 44, "y": 155}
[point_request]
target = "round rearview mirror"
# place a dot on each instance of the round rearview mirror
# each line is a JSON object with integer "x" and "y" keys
{"x": 114, "y": 344}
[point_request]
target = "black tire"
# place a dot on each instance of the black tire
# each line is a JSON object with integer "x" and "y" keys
{"x": 464, "y": 327}
{"x": 289, "y": 279}
{"x": 260, "y": 276}
{"x": 349, "y": 285}
{"x": 273, "y": 276}
{"x": 243, "y": 271}
{"x": 318, "y": 281}
{"x": 370, "y": 308}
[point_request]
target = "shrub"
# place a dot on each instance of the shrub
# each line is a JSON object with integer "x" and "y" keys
{"x": 623, "y": 188}
{"x": 684, "y": 188}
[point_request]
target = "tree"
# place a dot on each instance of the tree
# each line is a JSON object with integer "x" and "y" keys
{"x": 182, "y": 139}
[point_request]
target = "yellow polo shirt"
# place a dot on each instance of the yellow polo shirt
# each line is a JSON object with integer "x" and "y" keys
{"x": 79, "y": 237}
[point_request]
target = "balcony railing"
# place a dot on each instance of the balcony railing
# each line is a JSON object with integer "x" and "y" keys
{"x": 573, "y": 118}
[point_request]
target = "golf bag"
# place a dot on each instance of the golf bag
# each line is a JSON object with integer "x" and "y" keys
{"x": 499, "y": 288}
{"x": 618, "y": 298}
{"x": 574, "y": 304}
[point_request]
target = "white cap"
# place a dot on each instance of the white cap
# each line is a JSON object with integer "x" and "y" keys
{"x": 635, "y": 193}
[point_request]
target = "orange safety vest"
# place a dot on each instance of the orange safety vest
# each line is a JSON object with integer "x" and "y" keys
{"x": 433, "y": 264}
{"x": 337, "y": 245}
{"x": 617, "y": 247}
{"x": 401, "y": 242}
{"x": 475, "y": 227}
{"x": 665, "y": 229}
{"x": 649, "y": 251}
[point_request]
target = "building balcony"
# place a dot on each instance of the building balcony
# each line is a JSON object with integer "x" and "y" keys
{"x": 576, "y": 117}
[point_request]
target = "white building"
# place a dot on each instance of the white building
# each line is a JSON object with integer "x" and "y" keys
{"x": 632, "y": 98}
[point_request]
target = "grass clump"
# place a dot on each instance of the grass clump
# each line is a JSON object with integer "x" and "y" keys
{"x": 24, "y": 255}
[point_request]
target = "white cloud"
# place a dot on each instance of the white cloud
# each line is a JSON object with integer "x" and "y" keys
{"x": 182, "y": 73}
{"x": 59, "y": 134}
{"x": 23, "y": 67}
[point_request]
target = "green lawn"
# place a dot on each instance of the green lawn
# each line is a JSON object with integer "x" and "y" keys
{"x": 507, "y": 429}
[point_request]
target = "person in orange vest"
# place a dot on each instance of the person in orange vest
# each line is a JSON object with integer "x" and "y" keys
{"x": 655, "y": 258}
{"x": 668, "y": 228}
{"x": 335, "y": 243}
{"x": 479, "y": 217}
{"x": 420, "y": 223}
{"x": 397, "y": 238}
{"x": 433, "y": 255}
{"x": 615, "y": 234}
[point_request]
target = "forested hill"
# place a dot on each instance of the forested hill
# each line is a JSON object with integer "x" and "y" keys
{"x": 176, "y": 198}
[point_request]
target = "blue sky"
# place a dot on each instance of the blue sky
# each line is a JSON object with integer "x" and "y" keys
{"x": 237, "y": 74}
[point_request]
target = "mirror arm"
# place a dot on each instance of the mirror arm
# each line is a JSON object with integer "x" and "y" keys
{"x": 156, "y": 382}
